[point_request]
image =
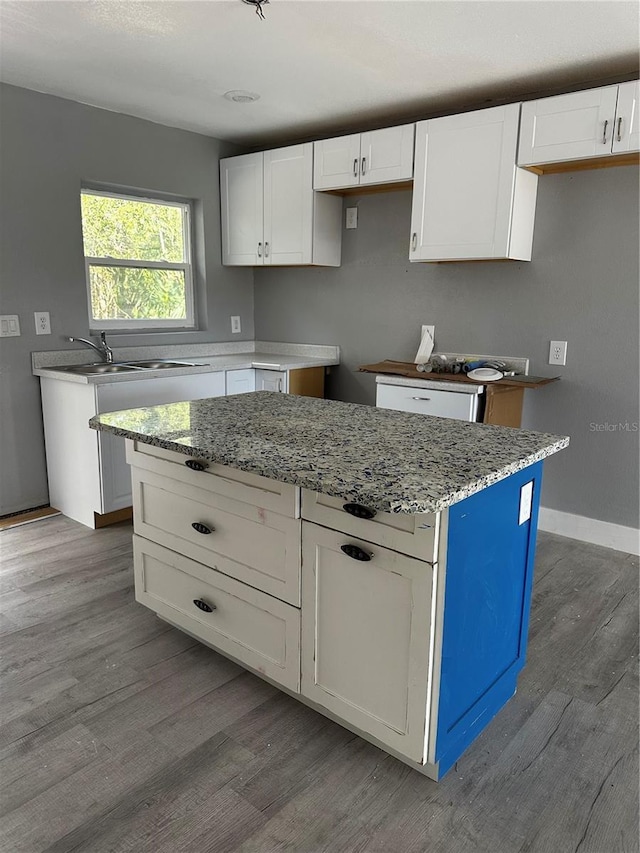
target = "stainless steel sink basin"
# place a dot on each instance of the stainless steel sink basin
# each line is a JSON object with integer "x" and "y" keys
{"x": 124, "y": 367}
{"x": 160, "y": 365}
{"x": 93, "y": 369}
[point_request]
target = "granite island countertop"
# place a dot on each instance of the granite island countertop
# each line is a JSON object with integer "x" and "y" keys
{"x": 387, "y": 460}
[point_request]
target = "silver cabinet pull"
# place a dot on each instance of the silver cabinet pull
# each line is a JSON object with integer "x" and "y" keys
{"x": 426, "y": 399}
{"x": 604, "y": 132}
{"x": 266, "y": 250}
{"x": 619, "y": 135}
{"x": 363, "y": 166}
{"x": 414, "y": 241}
{"x": 355, "y": 167}
{"x": 259, "y": 250}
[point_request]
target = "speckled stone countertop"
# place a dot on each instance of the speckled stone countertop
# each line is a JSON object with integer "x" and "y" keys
{"x": 387, "y": 460}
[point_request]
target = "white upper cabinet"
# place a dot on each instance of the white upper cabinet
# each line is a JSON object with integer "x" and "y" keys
{"x": 270, "y": 214}
{"x": 241, "y": 194}
{"x": 470, "y": 201}
{"x": 579, "y": 125}
{"x": 626, "y": 134}
{"x": 375, "y": 157}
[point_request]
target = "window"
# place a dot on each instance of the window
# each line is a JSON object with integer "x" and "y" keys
{"x": 137, "y": 261}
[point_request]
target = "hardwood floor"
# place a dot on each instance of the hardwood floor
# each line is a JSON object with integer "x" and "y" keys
{"x": 122, "y": 734}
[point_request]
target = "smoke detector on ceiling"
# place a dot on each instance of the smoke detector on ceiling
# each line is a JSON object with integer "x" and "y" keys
{"x": 238, "y": 96}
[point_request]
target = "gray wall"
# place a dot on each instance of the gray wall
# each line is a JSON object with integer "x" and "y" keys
{"x": 582, "y": 286}
{"x": 48, "y": 147}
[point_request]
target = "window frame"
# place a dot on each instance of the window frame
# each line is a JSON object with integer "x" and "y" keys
{"x": 154, "y": 323}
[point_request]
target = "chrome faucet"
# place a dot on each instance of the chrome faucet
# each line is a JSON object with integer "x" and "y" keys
{"x": 103, "y": 347}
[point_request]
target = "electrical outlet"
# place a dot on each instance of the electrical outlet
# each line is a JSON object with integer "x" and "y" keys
{"x": 235, "y": 325}
{"x": 43, "y": 323}
{"x": 558, "y": 352}
{"x": 9, "y": 326}
{"x": 352, "y": 217}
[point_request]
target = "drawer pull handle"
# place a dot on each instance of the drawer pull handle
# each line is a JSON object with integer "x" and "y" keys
{"x": 426, "y": 399}
{"x": 359, "y": 511}
{"x": 202, "y": 605}
{"x": 202, "y": 528}
{"x": 195, "y": 465}
{"x": 356, "y": 553}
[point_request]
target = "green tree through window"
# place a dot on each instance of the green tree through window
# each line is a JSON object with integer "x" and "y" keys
{"x": 137, "y": 257}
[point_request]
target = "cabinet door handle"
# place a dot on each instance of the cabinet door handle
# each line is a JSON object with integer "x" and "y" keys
{"x": 199, "y": 527}
{"x": 196, "y": 465}
{"x": 201, "y": 604}
{"x": 414, "y": 241}
{"x": 363, "y": 167}
{"x": 426, "y": 399}
{"x": 259, "y": 250}
{"x": 359, "y": 511}
{"x": 356, "y": 553}
{"x": 619, "y": 135}
{"x": 355, "y": 167}
{"x": 280, "y": 385}
{"x": 266, "y": 250}
{"x": 604, "y": 132}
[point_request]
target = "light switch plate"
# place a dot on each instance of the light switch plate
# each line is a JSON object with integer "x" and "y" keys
{"x": 235, "y": 325}
{"x": 9, "y": 326}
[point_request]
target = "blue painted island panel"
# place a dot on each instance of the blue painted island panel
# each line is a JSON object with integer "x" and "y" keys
{"x": 489, "y": 573}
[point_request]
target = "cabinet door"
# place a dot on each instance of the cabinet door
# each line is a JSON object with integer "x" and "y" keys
{"x": 115, "y": 476}
{"x": 271, "y": 380}
{"x": 567, "y": 127}
{"x": 366, "y": 638}
{"x": 387, "y": 155}
{"x": 626, "y": 134}
{"x": 240, "y": 381}
{"x": 336, "y": 162}
{"x": 465, "y": 177}
{"x": 288, "y": 205}
{"x": 241, "y": 201}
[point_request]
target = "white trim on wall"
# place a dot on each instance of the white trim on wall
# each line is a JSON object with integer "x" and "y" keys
{"x": 591, "y": 530}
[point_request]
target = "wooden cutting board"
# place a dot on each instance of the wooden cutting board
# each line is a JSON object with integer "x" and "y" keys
{"x": 404, "y": 368}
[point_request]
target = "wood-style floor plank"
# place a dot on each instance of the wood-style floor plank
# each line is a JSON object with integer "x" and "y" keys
{"x": 123, "y": 735}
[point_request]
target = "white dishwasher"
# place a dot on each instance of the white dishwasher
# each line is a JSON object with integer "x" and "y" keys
{"x": 426, "y": 397}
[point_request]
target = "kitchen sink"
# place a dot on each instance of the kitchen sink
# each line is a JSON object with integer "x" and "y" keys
{"x": 93, "y": 369}
{"x": 124, "y": 367}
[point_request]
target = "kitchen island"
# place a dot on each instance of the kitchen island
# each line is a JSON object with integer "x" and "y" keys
{"x": 375, "y": 564}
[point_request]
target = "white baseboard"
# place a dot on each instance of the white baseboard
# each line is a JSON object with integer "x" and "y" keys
{"x": 591, "y": 530}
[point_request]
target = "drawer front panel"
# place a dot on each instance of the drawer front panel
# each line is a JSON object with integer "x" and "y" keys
{"x": 248, "y": 543}
{"x": 221, "y": 479}
{"x": 442, "y": 404}
{"x": 255, "y": 628}
{"x": 414, "y": 534}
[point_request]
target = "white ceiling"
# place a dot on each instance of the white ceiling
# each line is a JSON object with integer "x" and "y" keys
{"x": 320, "y": 66}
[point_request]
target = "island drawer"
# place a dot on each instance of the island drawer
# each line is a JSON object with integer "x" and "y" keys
{"x": 221, "y": 479}
{"x": 414, "y": 534}
{"x": 249, "y": 543}
{"x": 242, "y": 622}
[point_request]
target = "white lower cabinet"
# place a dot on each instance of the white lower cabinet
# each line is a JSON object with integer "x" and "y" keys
{"x": 87, "y": 471}
{"x": 366, "y": 637}
{"x": 272, "y": 380}
{"x": 244, "y": 623}
{"x": 240, "y": 381}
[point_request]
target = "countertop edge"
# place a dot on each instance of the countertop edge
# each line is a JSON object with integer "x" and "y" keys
{"x": 407, "y": 507}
